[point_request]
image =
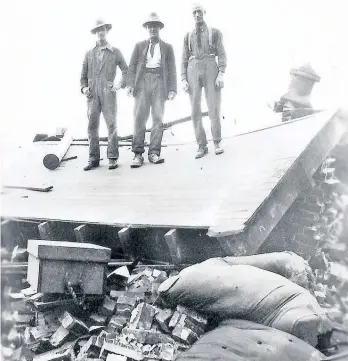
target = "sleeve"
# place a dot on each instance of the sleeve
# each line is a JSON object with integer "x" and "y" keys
{"x": 124, "y": 69}
{"x": 220, "y": 52}
{"x": 84, "y": 73}
{"x": 132, "y": 68}
{"x": 185, "y": 58}
{"x": 172, "y": 86}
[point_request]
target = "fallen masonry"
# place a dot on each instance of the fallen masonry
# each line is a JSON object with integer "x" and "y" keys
{"x": 125, "y": 324}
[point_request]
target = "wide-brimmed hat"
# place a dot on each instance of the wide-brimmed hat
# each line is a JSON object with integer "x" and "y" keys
{"x": 153, "y": 18}
{"x": 98, "y": 24}
{"x": 197, "y": 7}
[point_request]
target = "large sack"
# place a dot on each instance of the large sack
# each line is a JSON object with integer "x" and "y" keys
{"x": 240, "y": 340}
{"x": 221, "y": 291}
{"x": 287, "y": 264}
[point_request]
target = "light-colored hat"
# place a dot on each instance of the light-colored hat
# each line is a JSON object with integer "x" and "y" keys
{"x": 197, "y": 7}
{"x": 153, "y": 18}
{"x": 306, "y": 71}
{"x": 98, "y": 24}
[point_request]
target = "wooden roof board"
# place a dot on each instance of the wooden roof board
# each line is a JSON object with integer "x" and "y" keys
{"x": 181, "y": 193}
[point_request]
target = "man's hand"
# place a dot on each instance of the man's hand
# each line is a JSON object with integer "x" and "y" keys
{"x": 130, "y": 91}
{"x": 113, "y": 87}
{"x": 185, "y": 86}
{"x": 219, "y": 82}
{"x": 87, "y": 92}
{"x": 171, "y": 95}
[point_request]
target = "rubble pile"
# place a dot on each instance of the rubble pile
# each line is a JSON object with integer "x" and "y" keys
{"x": 330, "y": 263}
{"x": 127, "y": 323}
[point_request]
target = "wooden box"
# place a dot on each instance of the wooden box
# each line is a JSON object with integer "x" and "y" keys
{"x": 52, "y": 263}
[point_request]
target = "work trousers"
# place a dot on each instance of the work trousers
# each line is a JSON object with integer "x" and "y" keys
{"x": 150, "y": 94}
{"x": 202, "y": 73}
{"x": 102, "y": 100}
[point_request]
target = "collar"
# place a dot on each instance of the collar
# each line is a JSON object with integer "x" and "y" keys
{"x": 106, "y": 46}
{"x": 157, "y": 42}
{"x": 201, "y": 27}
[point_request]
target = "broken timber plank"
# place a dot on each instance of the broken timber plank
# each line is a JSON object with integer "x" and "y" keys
{"x": 172, "y": 240}
{"x": 43, "y": 188}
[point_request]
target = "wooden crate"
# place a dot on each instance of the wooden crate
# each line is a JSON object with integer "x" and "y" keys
{"x": 52, "y": 263}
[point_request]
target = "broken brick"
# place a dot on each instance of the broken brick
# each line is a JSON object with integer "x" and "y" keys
{"x": 72, "y": 324}
{"x": 163, "y": 317}
{"x": 174, "y": 320}
{"x": 167, "y": 352}
{"x": 184, "y": 334}
{"x": 92, "y": 347}
{"x": 125, "y": 305}
{"x": 98, "y": 319}
{"x": 62, "y": 354}
{"x": 117, "y": 322}
{"x": 115, "y": 295}
{"x": 148, "y": 337}
{"x": 142, "y": 317}
{"x": 114, "y": 357}
{"x": 194, "y": 316}
{"x": 59, "y": 337}
{"x": 120, "y": 350}
{"x": 108, "y": 307}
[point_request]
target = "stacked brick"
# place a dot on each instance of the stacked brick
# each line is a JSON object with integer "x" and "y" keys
{"x": 128, "y": 323}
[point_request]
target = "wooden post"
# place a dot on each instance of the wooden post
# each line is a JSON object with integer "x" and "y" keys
{"x": 52, "y": 160}
{"x": 172, "y": 240}
{"x": 125, "y": 239}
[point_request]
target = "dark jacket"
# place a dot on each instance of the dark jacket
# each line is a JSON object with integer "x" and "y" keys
{"x": 92, "y": 69}
{"x": 138, "y": 62}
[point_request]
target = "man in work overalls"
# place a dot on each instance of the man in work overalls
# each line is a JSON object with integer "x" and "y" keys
{"x": 151, "y": 80}
{"x": 97, "y": 84}
{"x": 199, "y": 69}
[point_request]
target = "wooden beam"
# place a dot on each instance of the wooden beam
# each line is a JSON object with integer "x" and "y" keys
{"x": 46, "y": 231}
{"x": 165, "y": 126}
{"x": 56, "y": 231}
{"x": 87, "y": 234}
{"x": 172, "y": 240}
{"x": 125, "y": 238}
{"x": 52, "y": 160}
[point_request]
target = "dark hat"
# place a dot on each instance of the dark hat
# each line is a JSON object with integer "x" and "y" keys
{"x": 98, "y": 24}
{"x": 153, "y": 18}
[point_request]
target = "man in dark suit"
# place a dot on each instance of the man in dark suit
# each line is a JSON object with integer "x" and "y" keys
{"x": 97, "y": 84}
{"x": 151, "y": 79}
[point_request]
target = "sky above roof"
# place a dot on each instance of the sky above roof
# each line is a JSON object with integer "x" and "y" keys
{"x": 44, "y": 43}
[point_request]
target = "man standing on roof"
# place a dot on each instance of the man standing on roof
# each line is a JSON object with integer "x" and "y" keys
{"x": 97, "y": 84}
{"x": 151, "y": 80}
{"x": 200, "y": 70}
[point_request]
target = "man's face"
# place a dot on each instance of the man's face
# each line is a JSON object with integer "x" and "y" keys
{"x": 153, "y": 29}
{"x": 198, "y": 16}
{"x": 101, "y": 33}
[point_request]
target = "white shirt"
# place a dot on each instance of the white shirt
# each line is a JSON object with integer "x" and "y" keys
{"x": 155, "y": 61}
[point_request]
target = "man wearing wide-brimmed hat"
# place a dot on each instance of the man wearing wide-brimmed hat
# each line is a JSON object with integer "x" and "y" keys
{"x": 199, "y": 69}
{"x": 97, "y": 84}
{"x": 151, "y": 80}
